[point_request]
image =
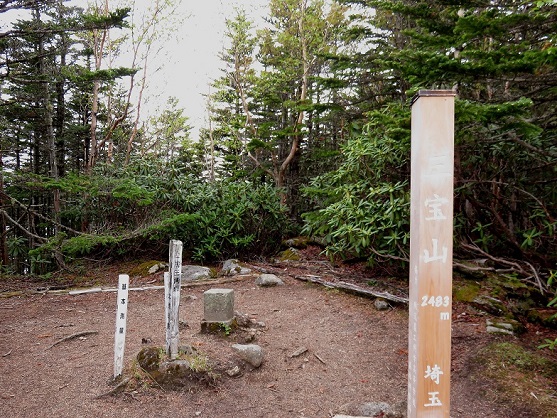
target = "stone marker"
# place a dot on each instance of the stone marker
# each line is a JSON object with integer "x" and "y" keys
{"x": 218, "y": 305}
{"x": 218, "y": 311}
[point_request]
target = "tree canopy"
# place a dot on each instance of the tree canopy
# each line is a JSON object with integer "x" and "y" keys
{"x": 308, "y": 129}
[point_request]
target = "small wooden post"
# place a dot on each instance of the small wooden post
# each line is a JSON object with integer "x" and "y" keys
{"x": 121, "y": 317}
{"x": 431, "y": 249}
{"x": 168, "y": 310}
{"x": 173, "y": 283}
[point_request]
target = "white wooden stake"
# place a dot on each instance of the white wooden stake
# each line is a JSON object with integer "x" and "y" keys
{"x": 431, "y": 251}
{"x": 175, "y": 283}
{"x": 121, "y": 318}
{"x": 168, "y": 309}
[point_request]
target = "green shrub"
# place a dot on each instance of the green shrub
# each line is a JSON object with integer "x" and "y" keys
{"x": 363, "y": 206}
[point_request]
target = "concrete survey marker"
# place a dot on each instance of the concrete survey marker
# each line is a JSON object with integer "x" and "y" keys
{"x": 218, "y": 309}
{"x": 431, "y": 251}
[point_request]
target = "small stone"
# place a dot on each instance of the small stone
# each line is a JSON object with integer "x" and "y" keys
{"x": 268, "y": 280}
{"x": 496, "y": 330}
{"x": 175, "y": 368}
{"x": 506, "y": 326}
{"x": 156, "y": 267}
{"x": 373, "y": 409}
{"x": 232, "y": 267}
{"x": 381, "y": 304}
{"x": 251, "y": 353}
{"x": 234, "y": 371}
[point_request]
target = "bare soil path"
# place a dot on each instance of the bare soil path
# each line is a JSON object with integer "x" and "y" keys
{"x": 355, "y": 354}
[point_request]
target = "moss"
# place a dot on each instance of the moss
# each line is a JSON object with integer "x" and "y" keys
{"x": 518, "y": 373}
{"x": 222, "y": 328}
{"x": 142, "y": 269}
{"x": 290, "y": 254}
{"x": 11, "y": 294}
{"x": 188, "y": 372}
{"x": 297, "y": 242}
{"x": 543, "y": 316}
{"x": 466, "y": 292}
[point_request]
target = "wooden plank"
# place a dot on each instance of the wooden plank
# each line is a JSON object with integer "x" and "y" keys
{"x": 121, "y": 320}
{"x": 431, "y": 239}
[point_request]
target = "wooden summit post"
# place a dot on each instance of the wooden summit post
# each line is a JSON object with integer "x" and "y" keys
{"x": 431, "y": 249}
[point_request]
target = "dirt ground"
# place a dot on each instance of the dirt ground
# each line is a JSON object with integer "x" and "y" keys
{"x": 355, "y": 354}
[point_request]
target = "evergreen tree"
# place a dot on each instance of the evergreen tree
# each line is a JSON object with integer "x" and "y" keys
{"x": 499, "y": 56}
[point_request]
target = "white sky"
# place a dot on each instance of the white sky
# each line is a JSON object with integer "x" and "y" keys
{"x": 192, "y": 63}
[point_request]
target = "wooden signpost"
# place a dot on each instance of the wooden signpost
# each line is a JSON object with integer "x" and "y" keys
{"x": 172, "y": 285}
{"x": 431, "y": 248}
{"x": 121, "y": 319}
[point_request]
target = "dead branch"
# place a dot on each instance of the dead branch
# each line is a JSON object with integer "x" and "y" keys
{"x": 513, "y": 266}
{"x": 115, "y": 389}
{"x": 73, "y": 336}
{"x": 352, "y": 288}
{"x": 319, "y": 358}
{"x": 8, "y": 353}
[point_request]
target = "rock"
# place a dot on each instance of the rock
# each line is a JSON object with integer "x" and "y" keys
{"x": 496, "y": 330}
{"x": 297, "y": 242}
{"x": 506, "y": 326}
{"x": 244, "y": 321}
{"x": 149, "y": 358}
{"x": 175, "y": 368}
{"x": 381, "y": 304}
{"x": 374, "y": 409}
{"x": 291, "y": 254}
{"x": 232, "y": 267}
{"x": 218, "y": 305}
{"x": 234, "y": 371}
{"x": 268, "y": 280}
{"x": 190, "y": 272}
{"x": 156, "y": 267}
{"x": 251, "y": 353}
{"x": 490, "y": 305}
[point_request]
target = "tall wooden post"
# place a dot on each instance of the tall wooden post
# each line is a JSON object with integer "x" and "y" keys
{"x": 431, "y": 249}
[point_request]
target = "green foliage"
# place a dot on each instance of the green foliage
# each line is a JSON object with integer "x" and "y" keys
{"x": 549, "y": 344}
{"x": 363, "y": 206}
{"x": 236, "y": 218}
{"x": 82, "y": 245}
{"x": 142, "y": 207}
